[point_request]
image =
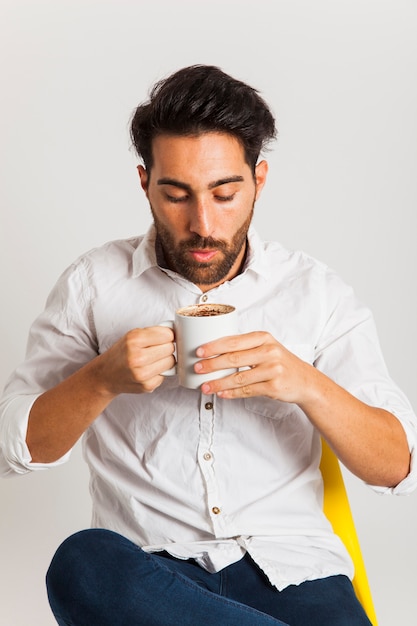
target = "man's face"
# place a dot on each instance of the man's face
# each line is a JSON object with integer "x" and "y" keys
{"x": 202, "y": 193}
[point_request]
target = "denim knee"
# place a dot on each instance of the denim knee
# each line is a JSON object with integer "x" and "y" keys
{"x": 72, "y": 583}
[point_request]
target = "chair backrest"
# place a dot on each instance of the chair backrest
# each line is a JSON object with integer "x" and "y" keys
{"x": 337, "y": 509}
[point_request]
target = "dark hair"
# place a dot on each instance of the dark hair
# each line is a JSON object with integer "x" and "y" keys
{"x": 200, "y": 99}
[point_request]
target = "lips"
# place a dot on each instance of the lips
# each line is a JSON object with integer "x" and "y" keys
{"x": 203, "y": 256}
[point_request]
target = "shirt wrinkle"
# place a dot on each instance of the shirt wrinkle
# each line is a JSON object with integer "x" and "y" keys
{"x": 196, "y": 475}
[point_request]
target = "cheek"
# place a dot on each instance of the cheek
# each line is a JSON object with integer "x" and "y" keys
{"x": 170, "y": 223}
{"x": 175, "y": 221}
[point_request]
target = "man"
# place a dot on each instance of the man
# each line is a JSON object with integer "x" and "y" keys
{"x": 206, "y": 504}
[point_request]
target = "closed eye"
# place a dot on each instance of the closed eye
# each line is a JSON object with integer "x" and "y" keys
{"x": 176, "y": 199}
{"x": 225, "y": 198}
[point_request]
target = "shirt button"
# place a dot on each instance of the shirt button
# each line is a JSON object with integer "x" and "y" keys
{"x": 204, "y": 298}
{"x": 215, "y": 510}
{"x": 207, "y": 456}
{"x": 208, "y": 406}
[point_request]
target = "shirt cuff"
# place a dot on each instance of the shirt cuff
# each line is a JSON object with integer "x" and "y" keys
{"x": 15, "y": 457}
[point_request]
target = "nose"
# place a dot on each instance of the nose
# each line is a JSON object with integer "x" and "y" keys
{"x": 202, "y": 218}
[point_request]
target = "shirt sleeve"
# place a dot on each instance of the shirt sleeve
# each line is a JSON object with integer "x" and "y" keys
{"x": 348, "y": 351}
{"x": 15, "y": 457}
{"x": 61, "y": 341}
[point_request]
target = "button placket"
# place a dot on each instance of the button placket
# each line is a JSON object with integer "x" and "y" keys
{"x": 206, "y": 460}
{"x": 206, "y": 428}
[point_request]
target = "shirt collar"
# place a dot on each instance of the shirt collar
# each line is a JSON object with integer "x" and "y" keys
{"x": 145, "y": 256}
{"x": 256, "y": 260}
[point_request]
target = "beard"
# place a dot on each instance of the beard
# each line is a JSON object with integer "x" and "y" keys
{"x": 208, "y": 273}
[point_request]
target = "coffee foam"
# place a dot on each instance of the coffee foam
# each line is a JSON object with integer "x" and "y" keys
{"x": 205, "y": 310}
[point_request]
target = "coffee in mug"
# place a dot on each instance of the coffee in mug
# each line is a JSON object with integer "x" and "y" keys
{"x": 205, "y": 310}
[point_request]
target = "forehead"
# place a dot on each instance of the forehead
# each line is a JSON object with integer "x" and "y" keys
{"x": 202, "y": 156}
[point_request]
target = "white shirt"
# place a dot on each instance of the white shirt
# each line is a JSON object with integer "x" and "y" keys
{"x": 193, "y": 474}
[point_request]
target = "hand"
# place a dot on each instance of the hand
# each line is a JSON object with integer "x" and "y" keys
{"x": 271, "y": 370}
{"x": 135, "y": 363}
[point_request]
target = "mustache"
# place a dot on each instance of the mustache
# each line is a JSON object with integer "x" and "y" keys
{"x": 197, "y": 242}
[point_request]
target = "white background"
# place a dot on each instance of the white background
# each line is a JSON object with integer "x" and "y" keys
{"x": 341, "y": 78}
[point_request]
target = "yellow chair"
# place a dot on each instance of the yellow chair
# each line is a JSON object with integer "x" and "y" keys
{"x": 337, "y": 509}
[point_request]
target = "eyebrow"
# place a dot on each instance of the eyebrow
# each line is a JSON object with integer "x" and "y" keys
{"x": 213, "y": 185}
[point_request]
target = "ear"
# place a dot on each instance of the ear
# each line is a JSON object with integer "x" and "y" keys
{"x": 261, "y": 171}
{"x": 143, "y": 176}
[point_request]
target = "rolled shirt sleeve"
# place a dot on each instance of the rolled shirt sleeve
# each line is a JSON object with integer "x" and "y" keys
{"x": 61, "y": 341}
{"x": 15, "y": 457}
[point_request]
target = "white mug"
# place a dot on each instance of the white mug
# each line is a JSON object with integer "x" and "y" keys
{"x": 193, "y": 326}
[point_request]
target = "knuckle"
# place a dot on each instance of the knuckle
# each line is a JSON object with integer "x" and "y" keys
{"x": 234, "y": 343}
{"x": 272, "y": 350}
{"x": 132, "y": 335}
{"x": 263, "y": 336}
{"x": 139, "y": 360}
{"x": 240, "y": 378}
{"x": 148, "y": 388}
{"x": 234, "y": 359}
{"x": 246, "y": 391}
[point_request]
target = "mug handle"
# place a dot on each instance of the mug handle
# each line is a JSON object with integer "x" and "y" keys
{"x": 173, "y": 370}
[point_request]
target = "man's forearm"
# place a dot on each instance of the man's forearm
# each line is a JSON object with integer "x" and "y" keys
{"x": 369, "y": 441}
{"x": 60, "y": 416}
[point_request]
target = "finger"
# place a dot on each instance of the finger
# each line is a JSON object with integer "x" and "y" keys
{"x": 270, "y": 353}
{"x": 153, "y": 369}
{"x": 150, "y": 336}
{"x": 138, "y": 357}
{"x": 235, "y": 386}
{"x": 239, "y": 379}
{"x": 233, "y": 343}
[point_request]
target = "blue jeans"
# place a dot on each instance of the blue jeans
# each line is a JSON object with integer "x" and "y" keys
{"x": 99, "y": 578}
